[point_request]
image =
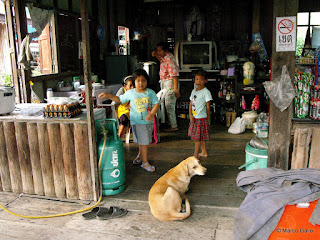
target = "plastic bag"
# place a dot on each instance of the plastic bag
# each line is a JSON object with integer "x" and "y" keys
{"x": 238, "y": 126}
{"x": 280, "y": 91}
{"x": 255, "y": 46}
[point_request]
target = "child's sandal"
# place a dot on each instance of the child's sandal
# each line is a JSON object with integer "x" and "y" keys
{"x": 150, "y": 168}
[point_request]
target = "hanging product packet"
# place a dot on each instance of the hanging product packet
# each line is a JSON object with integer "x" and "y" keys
{"x": 280, "y": 90}
{"x": 303, "y": 82}
{"x": 315, "y": 103}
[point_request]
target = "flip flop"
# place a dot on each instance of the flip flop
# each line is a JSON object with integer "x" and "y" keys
{"x": 112, "y": 212}
{"x": 150, "y": 168}
{"x": 91, "y": 214}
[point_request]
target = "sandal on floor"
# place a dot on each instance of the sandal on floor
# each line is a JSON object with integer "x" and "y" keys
{"x": 136, "y": 161}
{"x": 112, "y": 212}
{"x": 91, "y": 214}
{"x": 150, "y": 168}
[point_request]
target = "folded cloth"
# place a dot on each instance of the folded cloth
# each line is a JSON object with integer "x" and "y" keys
{"x": 162, "y": 94}
{"x": 315, "y": 217}
{"x": 25, "y": 56}
{"x": 269, "y": 191}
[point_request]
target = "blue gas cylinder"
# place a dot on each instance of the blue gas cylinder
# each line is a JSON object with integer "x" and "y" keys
{"x": 113, "y": 172}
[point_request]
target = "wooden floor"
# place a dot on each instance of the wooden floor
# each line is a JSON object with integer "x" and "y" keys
{"x": 217, "y": 188}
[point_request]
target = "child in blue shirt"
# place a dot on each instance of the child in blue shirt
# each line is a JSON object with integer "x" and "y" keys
{"x": 199, "y": 112}
{"x": 144, "y": 105}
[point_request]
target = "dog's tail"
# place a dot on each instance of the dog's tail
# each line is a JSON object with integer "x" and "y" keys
{"x": 182, "y": 215}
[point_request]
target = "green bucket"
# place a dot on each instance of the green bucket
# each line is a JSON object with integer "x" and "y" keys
{"x": 255, "y": 157}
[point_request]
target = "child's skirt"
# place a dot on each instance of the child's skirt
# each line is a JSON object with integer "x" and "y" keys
{"x": 199, "y": 130}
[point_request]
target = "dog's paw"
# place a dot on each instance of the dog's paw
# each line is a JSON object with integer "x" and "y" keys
{"x": 183, "y": 205}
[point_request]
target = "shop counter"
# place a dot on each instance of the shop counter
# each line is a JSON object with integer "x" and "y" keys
{"x": 46, "y": 156}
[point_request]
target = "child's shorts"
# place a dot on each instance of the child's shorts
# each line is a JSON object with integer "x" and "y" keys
{"x": 124, "y": 120}
{"x": 199, "y": 130}
{"x": 142, "y": 133}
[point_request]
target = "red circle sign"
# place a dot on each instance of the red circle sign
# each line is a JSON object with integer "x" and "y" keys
{"x": 285, "y": 26}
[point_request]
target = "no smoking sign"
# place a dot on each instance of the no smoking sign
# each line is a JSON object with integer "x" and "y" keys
{"x": 285, "y": 26}
{"x": 286, "y": 34}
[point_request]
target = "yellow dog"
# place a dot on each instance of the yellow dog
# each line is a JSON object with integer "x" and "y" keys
{"x": 165, "y": 196}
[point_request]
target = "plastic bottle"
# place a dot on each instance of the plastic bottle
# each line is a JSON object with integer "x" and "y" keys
{"x": 262, "y": 125}
{"x": 76, "y": 85}
{"x": 257, "y": 103}
{"x": 243, "y": 103}
{"x": 49, "y": 93}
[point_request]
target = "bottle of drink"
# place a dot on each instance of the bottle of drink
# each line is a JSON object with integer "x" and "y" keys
{"x": 243, "y": 103}
{"x": 49, "y": 93}
{"x": 262, "y": 126}
{"x": 224, "y": 91}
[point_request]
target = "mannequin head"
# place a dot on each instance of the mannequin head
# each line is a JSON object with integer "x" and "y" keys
{"x": 248, "y": 71}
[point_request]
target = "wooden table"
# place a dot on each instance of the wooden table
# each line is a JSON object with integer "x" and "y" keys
{"x": 46, "y": 156}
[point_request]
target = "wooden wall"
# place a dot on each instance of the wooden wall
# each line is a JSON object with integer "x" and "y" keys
{"x": 5, "y": 66}
{"x": 50, "y": 159}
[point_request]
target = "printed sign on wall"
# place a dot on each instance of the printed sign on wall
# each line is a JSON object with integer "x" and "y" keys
{"x": 286, "y": 28}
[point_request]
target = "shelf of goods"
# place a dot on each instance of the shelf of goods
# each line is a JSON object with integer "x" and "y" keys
{"x": 307, "y": 87}
{"x": 227, "y": 92}
{"x": 251, "y": 97}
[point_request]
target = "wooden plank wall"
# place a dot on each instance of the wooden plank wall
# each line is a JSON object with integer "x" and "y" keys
{"x": 306, "y": 152}
{"x": 50, "y": 159}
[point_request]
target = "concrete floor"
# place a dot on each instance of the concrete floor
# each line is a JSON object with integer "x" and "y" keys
{"x": 214, "y": 198}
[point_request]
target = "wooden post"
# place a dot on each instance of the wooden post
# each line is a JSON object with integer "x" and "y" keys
{"x": 89, "y": 101}
{"x": 69, "y": 159}
{"x": 11, "y": 144}
{"x": 81, "y": 143}
{"x": 24, "y": 157}
{"x": 13, "y": 53}
{"x": 45, "y": 159}
{"x": 21, "y": 30}
{"x": 256, "y": 16}
{"x": 4, "y": 165}
{"x": 280, "y": 122}
{"x": 57, "y": 159}
{"x": 35, "y": 158}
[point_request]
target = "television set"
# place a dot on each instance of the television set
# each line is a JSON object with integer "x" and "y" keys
{"x": 197, "y": 54}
